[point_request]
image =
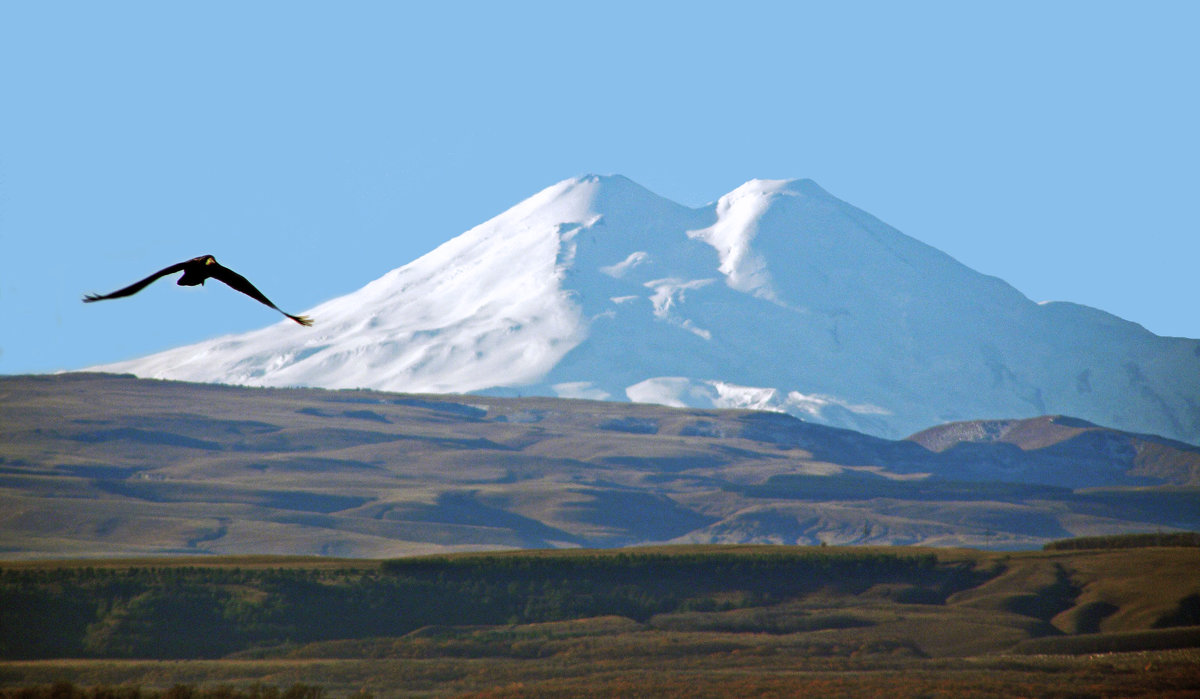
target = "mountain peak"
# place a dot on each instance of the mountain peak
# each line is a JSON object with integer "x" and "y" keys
{"x": 776, "y": 296}
{"x": 612, "y": 180}
{"x": 611, "y": 194}
{"x": 766, "y": 187}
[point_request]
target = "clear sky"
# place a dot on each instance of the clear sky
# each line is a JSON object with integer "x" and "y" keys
{"x": 314, "y": 146}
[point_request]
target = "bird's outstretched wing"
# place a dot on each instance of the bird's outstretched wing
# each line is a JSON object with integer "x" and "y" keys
{"x": 240, "y": 283}
{"x": 137, "y": 286}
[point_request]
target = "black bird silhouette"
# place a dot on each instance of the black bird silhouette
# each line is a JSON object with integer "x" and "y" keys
{"x": 195, "y": 271}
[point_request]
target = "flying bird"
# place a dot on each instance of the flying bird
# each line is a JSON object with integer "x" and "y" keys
{"x": 195, "y": 272}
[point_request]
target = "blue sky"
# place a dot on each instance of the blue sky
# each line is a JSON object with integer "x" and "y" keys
{"x": 315, "y": 146}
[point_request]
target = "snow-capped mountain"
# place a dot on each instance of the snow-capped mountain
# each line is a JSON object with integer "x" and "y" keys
{"x": 777, "y": 296}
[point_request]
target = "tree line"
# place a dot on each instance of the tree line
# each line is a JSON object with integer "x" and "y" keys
{"x": 1126, "y": 541}
{"x": 208, "y": 612}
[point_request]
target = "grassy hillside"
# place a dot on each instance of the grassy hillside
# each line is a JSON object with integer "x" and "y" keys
{"x": 101, "y": 465}
{"x": 678, "y": 621}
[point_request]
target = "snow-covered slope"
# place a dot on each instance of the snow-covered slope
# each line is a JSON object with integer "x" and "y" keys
{"x": 778, "y": 296}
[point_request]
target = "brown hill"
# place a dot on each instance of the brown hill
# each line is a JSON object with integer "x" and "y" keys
{"x": 105, "y": 465}
{"x": 1143, "y": 455}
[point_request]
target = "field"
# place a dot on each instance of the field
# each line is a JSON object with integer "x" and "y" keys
{"x": 664, "y": 621}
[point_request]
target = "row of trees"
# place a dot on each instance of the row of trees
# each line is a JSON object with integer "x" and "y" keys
{"x": 1126, "y": 541}
{"x": 214, "y": 611}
